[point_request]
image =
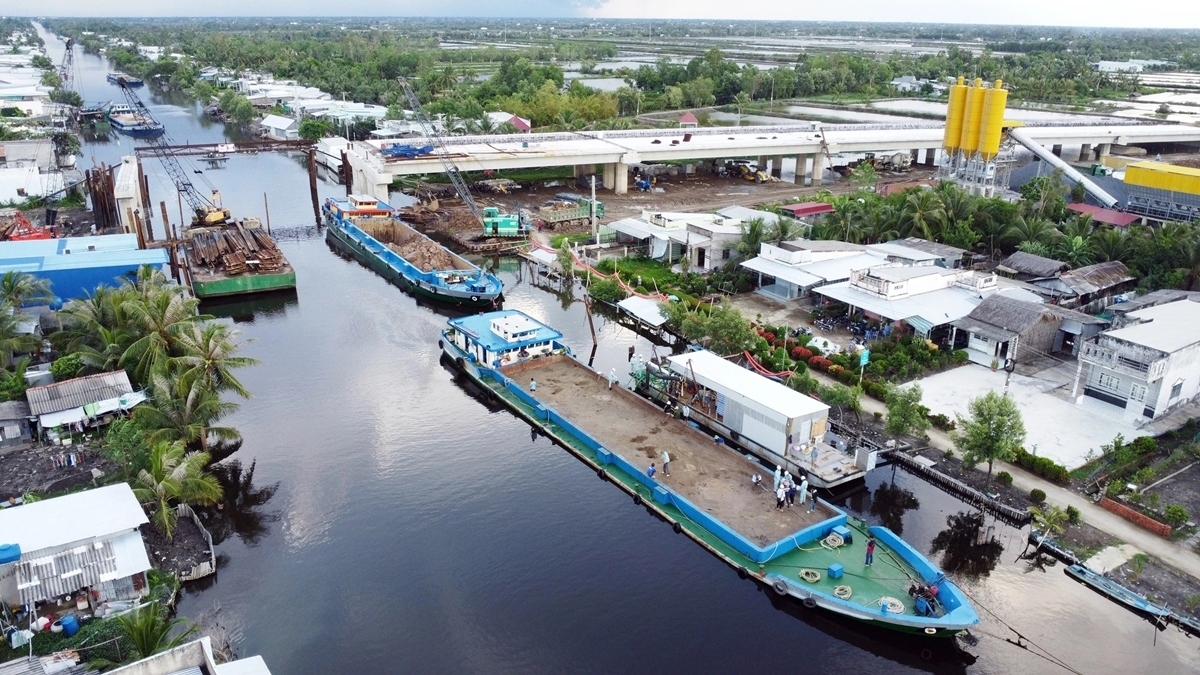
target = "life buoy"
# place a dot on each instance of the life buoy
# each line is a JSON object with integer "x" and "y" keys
{"x": 809, "y": 602}
{"x": 637, "y": 499}
{"x": 474, "y": 298}
{"x": 779, "y": 586}
{"x": 677, "y": 527}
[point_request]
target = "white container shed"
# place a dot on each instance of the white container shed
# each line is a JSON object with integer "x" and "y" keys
{"x": 766, "y": 412}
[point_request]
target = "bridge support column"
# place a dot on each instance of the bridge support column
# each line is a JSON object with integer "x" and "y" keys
{"x": 777, "y": 166}
{"x": 915, "y": 157}
{"x": 1103, "y": 149}
{"x": 762, "y": 162}
{"x": 1085, "y": 152}
{"x": 818, "y": 169}
{"x": 1057, "y": 150}
{"x": 610, "y": 176}
{"x": 931, "y": 157}
{"x": 621, "y": 183}
{"x": 584, "y": 170}
{"x": 801, "y": 169}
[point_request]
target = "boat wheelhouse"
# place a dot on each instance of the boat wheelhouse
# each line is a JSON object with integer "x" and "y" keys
{"x": 499, "y": 339}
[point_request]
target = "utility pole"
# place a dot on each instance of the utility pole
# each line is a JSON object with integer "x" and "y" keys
{"x": 595, "y": 232}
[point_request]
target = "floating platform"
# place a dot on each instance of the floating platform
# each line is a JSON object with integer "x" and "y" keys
{"x": 817, "y": 558}
{"x": 235, "y": 259}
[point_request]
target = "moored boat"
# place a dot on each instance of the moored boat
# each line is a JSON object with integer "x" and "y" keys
{"x": 368, "y": 230}
{"x": 816, "y": 556}
{"x": 1115, "y": 591}
{"x": 128, "y": 121}
{"x": 118, "y": 78}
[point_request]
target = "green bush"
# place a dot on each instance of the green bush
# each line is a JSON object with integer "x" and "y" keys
{"x": 1073, "y": 515}
{"x": 642, "y": 290}
{"x": 66, "y": 367}
{"x": 959, "y": 357}
{"x": 607, "y": 290}
{"x": 1037, "y": 496}
{"x": 1176, "y": 515}
{"x": 606, "y": 266}
{"x": 942, "y": 422}
{"x": 1004, "y": 478}
{"x": 1044, "y": 467}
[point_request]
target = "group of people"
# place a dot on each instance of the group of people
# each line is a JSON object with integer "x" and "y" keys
{"x": 785, "y": 488}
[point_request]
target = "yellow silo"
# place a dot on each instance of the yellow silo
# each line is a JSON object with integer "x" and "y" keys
{"x": 994, "y": 103}
{"x": 954, "y": 116}
{"x": 973, "y": 119}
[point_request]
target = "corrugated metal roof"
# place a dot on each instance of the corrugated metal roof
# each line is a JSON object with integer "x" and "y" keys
{"x": 77, "y": 517}
{"x": 80, "y": 391}
{"x": 718, "y": 374}
{"x": 14, "y": 410}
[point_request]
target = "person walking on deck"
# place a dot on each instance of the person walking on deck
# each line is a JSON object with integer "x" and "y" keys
{"x": 813, "y": 506}
{"x": 803, "y": 489}
{"x": 780, "y": 498}
{"x": 532, "y": 384}
{"x": 666, "y": 460}
{"x": 651, "y": 471}
{"x": 870, "y": 551}
{"x": 778, "y": 478}
{"x": 612, "y": 379}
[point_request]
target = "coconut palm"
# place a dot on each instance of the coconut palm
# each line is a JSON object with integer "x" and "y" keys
{"x": 1033, "y": 229}
{"x": 958, "y": 205}
{"x": 160, "y": 319}
{"x": 175, "y": 476}
{"x": 1049, "y": 521}
{"x": 754, "y": 233}
{"x": 1080, "y": 226}
{"x": 786, "y": 229}
{"x": 19, "y": 289}
{"x": 103, "y": 351}
{"x": 740, "y": 101}
{"x": 149, "y": 630}
{"x": 184, "y": 410}
{"x": 879, "y": 224}
{"x": 922, "y": 215}
{"x": 1190, "y": 266}
{"x": 1109, "y": 245}
{"x": 12, "y": 340}
{"x": 1076, "y": 250}
{"x": 209, "y": 356}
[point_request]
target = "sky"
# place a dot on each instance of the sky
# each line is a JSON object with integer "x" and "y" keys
{"x": 1115, "y": 13}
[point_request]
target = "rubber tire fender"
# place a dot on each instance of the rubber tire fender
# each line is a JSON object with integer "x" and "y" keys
{"x": 637, "y": 499}
{"x": 603, "y": 476}
{"x": 677, "y": 527}
{"x": 461, "y": 363}
{"x": 742, "y": 573}
{"x": 809, "y": 602}
{"x": 441, "y": 345}
{"x": 780, "y": 586}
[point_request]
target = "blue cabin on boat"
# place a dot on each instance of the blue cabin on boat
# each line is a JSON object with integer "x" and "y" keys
{"x": 498, "y": 339}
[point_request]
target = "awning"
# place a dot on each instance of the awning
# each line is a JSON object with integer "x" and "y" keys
{"x": 782, "y": 272}
{"x": 635, "y": 228}
{"x": 689, "y": 238}
{"x": 645, "y": 309}
{"x": 70, "y": 416}
{"x": 543, "y": 256}
{"x": 920, "y": 325}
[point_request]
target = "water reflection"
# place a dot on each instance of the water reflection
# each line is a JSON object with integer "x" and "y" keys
{"x": 241, "y": 511}
{"x": 242, "y": 309}
{"x": 969, "y": 548}
{"x": 890, "y": 503}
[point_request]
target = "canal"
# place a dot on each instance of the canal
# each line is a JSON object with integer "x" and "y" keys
{"x": 393, "y": 522}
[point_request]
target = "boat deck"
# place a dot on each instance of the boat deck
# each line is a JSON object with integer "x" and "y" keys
{"x": 711, "y": 476}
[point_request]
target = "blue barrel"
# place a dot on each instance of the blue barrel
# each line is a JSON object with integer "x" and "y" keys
{"x": 9, "y": 553}
{"x": 70, "y": 625}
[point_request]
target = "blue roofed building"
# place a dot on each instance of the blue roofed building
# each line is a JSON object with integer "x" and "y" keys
{"x": 500, "y": 338}
{"x": 75, "y": 266}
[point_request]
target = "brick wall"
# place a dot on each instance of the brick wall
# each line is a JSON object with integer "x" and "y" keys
{"x": 1146, "y": 522}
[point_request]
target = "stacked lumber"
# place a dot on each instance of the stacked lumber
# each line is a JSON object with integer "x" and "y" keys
{"x": 235, "y": 250}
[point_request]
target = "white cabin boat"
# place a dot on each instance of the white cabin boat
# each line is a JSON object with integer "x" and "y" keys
{"x": 329, "y": 152}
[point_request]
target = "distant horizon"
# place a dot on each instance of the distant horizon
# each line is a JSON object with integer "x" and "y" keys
{"x": 1064, "y": 14}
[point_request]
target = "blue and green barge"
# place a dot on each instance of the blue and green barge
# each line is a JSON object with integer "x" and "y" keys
{"x": 817, "y": 557}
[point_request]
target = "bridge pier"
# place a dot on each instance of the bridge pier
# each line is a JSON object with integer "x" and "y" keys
{"x": 1103, "y": 149}
{"x": 931, "y": 157}
{"x": 582, "y": 170}
{"x": 818, "y": 168}
{"x": 1085, "y": 152}
{"x": 610, "y": 176}
{"x": 365, "y": 179}
{"x": 762, "y": 162}
{"x": 801, "y": 169}
{"x": 777, "y": 166}
{"x": 1057, "y": 150}
{"x": 621, "y": 185}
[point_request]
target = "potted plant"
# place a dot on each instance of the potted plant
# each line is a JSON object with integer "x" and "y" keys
{"x": 995, "y": 365}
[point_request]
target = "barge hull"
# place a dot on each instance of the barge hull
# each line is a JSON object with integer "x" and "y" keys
{"x": 497, "y": 388}
{"x": 338, "y": 238}
{"x": 244, "y": 285}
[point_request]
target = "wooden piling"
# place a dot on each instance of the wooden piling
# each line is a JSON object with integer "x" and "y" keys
{"x": 312, "y": 184}
{"x": 166, "y": 222}
{"x": 267, "y": 211}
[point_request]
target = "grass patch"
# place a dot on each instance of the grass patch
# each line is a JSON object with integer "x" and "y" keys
{"x": 571, "y": 237}
{"x": 651, "y": 272}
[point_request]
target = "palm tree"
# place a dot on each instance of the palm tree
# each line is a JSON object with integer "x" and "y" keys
{"x": 106, "y": 355}
{"x": 740, "y": 101}
{"x": 1190, "y": 266}
{"x": 959, "y": 206}
{"x": 754, "y": 233}
{"x": 175, "y": 476}
{"x": 879, "y": 224}
{"x": 184, "y": 410}
{"x": 19, "y": 289}
{"x": 12, "y": 382}
{"x": 161, "y": 319}
{"x": 922, "y": 215}
{"x": 786, "y": 229}
{"x": 1076, "y": 250}
{"x": 1033, "y": 229}
{"x": 12, "y": 340}
{"x": 149, "y": 629}
{"x": 209, "y": 356}
{"x": 1080, "y": 226}
{"x": 1048, "y": 521}
{"x": 1110, "y": 244}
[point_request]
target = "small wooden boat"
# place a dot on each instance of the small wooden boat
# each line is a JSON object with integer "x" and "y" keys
{"x": 1105, "y": 586}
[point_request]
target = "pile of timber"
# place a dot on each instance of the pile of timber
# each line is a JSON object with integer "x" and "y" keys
{"x": 235, "y": 250}
{"x": 419, "y": 250}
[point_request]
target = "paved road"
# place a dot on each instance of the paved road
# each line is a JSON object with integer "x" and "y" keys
{"x": 1168, "y": 552}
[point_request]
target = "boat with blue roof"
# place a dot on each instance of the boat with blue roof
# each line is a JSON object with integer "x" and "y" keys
{"x": 369, "y": 231}
{"x": 812, "y": 553}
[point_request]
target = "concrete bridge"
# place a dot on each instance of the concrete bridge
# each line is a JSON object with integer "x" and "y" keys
{"x": 809, "y": 143}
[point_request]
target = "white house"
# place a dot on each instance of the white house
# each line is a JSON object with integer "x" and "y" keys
{"x": 705, "y": 239}
{"x": 195, "y": 657}
{"x": 1148, "y": 365}
{"x": 85, "y": 545}
{"x": 280, "y": 128}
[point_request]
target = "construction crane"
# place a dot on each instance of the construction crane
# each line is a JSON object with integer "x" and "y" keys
{"x": 66, "y": 71}
{"x": 489, "y": 218}
{"x": 206, "y": 212}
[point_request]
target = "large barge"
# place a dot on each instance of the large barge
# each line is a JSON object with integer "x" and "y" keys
{"x": 368, "y": 230}
{"x": 128, "y": 121}
{"x": 817, "y": 557}
{"x": 235, "y": 258}
{"x": 776, "y": 423}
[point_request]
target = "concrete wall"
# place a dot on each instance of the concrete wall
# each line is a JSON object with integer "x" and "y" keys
{"x": 1182, "y": 365}
{"x": 188, "y": 655}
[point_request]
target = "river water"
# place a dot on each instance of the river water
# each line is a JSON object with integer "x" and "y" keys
{"x": 395, "y": 523}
